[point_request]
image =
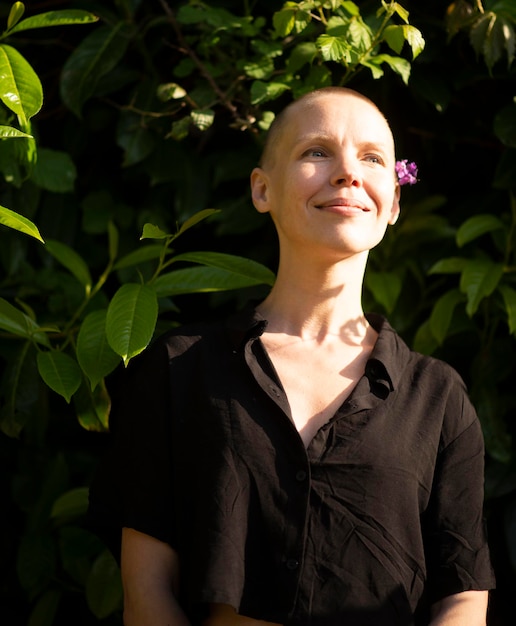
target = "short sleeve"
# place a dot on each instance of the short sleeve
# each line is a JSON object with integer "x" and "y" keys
{"x": 456, "y": 547}
{"x": 133, "y": 484}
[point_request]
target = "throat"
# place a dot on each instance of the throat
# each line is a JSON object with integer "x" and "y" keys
{"x": 317, "y": 376}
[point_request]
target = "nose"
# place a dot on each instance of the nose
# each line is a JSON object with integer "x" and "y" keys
{"x": 346, "y": 173}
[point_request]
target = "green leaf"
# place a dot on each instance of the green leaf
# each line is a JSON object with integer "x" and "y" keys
{"x": 55, "y": 18}
{"x": 36, "y": 561}
{"x": 113, "y": 239}
{"x": 452, "y": 265}
{"x": 94, "y": 354}
{"x": 397, "y": 64}
{"x": 14, "y": 321}
{"x": 131, "y": 319}
{"x": 334, "y": 48}
{"x": 491, "y": 35}
{"x": 476, "y": 226}
{"x": 45, "y": 609}
{"x": 15, "y": 14}
{"x": 73, "y": 262}
{"x": 20, "y": 87}
{"x": 104, "y": 587}
{"x": 135, "y": 139}
{"x": 351, "y": 8}
{"x": 395, "y": 37}
{"x": 199, "y": 280}
{"x": 93, "y": 407}
{"x": 509, "y": 298}
{"x": 20, "y": 223}
{"x": 95, "y": 56}
{"x": 170, "y": 91}
{"x": 442, "y": 314}
{"x": 54, "y": 171}
{"x": 151, "y": 231}
{"x": 202, "y": 118}
{"x": 9, "y": 132}
{"x": 141, "y": 255}
{"x": 73, "y": 503}
{"x": 195, "y": 219}
{"x": 385, "y": 287}
{"x": 284, "y": 20}
{"x": 505, "y": 126}
{"x": 60, "y": 372}
{"x": 264, "y": 92}
{"x": 479, "y": 279}
{"x": 424, "y": 340}
{"x": 261, "y": 69}
{"x": 235, "y": 264}
{"x": 303, "y": 54}
{"x": 414, "y": 39}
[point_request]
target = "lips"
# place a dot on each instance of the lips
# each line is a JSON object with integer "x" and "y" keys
{"x": 344, "y": 203}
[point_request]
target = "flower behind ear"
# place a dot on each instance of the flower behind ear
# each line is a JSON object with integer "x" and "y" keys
{"x": 406, "y": 172}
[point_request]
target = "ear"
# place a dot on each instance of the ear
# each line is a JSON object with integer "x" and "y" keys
{"x": 259, "y": 190}
{"x": 395, "y": 209}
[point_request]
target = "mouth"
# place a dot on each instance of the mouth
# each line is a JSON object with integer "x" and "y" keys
{"x": 342, "y": 205}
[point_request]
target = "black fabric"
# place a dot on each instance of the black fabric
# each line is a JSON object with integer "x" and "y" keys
{"x": 379, "y": 517}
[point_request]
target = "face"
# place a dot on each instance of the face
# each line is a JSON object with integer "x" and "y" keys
{"x": 329, "y": 182}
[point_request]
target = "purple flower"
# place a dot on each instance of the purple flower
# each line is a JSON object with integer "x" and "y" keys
{"x": 407, "y": 172}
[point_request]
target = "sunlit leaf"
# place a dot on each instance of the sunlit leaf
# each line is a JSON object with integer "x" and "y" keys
{"x": 9, "y": 132}
{"x": 264, "y": 92}
{"x": 151, "y": 231}
{"x": 19, "y": 222}
{"x": 15, "y": 14}
{"x": 334, "y": 48}
{"x": 55, "y": 18}
{"x": 131, "y": 319}
{"x": 20, "y": 87}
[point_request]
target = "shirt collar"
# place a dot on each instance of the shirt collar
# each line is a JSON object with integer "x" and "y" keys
{"x": 384, "y": 367}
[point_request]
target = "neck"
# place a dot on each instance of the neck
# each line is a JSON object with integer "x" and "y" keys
{"x": 314, "y": 301}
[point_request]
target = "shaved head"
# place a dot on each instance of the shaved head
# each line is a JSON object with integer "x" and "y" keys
{"x": 279, "y": 124}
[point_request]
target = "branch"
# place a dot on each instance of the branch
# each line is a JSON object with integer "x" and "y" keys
{"x": 184, "y": 47}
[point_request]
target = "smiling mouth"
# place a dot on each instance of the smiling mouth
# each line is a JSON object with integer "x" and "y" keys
{"x": 342, "y": 204}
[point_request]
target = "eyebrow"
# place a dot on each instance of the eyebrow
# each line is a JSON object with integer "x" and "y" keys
{"x": 365, "y": 145}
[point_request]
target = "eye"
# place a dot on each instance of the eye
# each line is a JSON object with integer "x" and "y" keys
{"x": 317, "y": 153}
{"x": 374, "y": 158}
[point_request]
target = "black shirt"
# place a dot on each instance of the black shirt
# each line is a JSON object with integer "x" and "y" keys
{"x": 380, "y": 516}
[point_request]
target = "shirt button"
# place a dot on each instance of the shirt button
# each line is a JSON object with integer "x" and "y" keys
{"x": 292, "y": 564}
{"x": 301, "y": 476}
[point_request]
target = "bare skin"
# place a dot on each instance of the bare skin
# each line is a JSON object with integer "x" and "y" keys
{"x": 330, "y": 189}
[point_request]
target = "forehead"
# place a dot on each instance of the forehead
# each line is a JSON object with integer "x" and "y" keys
{"x": 340, "y": 116}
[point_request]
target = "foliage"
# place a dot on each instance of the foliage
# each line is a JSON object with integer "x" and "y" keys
{"x": 128, "y": 137}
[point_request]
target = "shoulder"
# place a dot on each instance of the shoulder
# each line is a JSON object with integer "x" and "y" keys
{"x": 426, "y": 382}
